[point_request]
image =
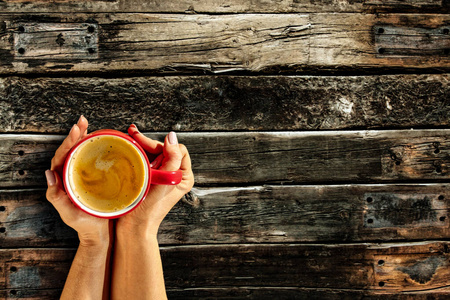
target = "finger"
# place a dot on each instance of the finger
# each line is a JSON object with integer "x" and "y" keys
{"x": 67, "y": 144}
{"x": 188, "y": 175}
{"x": 172, "y": 153}
{"x": 58, "y": 197}
{"x": 156, "y": 163}
{"x": 149, "y": 145}
{"x": 83, "y": 125}
{"x": 186, "y": 159}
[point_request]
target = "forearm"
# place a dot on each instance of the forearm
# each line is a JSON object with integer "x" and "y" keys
{"x": 86, "y": 279}
{"x": 137, "y": 269}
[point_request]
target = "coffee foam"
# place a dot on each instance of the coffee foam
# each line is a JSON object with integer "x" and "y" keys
{"x": 106, "y": 173}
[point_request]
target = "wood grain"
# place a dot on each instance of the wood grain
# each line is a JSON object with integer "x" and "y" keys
{"x": 227, "y": 158}
{"x": 349, "y": 266}
{"x": 228, "y": 6}
{"x": 258, "y": 214}
{"x": 231, "y": 43}
{"x": 257, "y": 292}
{"x": 29, "y": 220}
{"x": 285, "y": 293}
{"x": 225, "y": 103}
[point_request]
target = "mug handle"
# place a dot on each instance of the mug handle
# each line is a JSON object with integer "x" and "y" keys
{"x": 166, "y": 177}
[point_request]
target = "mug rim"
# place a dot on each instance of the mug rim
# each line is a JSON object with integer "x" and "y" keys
{"x": 135, "y": 203}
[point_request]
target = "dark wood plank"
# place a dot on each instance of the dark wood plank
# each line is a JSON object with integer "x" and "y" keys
{"x": 34, "y": 274}
{"x": 259, "y": 214}
{"x": 228, "y": 6}
{"x": 227, "y": 158}
{"x": 404, "y": 41}
{"x": 198, "y": 43}
{"x": 225, "y": 102}
{"x": 29, "y": 220}
{"x": 280, "y": 293}
{"x": 285, "y": 293}
{"x": 406, "y": 267}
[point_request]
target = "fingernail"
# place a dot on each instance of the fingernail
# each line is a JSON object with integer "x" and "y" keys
{"x": 51, "y": 180}
{"x": 81, "y": 118}
{"x": 155, "y": 162}
{"x": 173, "y": 138}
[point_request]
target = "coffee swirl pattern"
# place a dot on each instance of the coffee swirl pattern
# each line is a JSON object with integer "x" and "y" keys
{"x": 107, "y": 174}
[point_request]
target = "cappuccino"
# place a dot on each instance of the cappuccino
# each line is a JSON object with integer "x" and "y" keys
{"x": 106, "y": 173}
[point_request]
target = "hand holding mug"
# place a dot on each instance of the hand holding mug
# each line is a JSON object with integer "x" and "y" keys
{"x": 107, "y": 174}
{"x": 170, "y": 156}
{"x": 91, "y": 230}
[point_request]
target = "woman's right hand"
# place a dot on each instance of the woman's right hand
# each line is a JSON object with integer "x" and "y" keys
{"x": 91, "y": 230}
{"x": 161, "y": 198}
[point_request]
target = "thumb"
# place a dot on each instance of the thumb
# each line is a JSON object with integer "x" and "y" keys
{"x": 57, "y": 196}
{"x": 172, "y": 153}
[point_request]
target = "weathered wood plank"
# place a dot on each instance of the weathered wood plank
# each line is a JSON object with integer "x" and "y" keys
{"x": 260, "y": 214}
{"x": 357, "y": 266}
{"x": 178, "y": 43}
{"x": 270, "y": 157}
{"x": 257, "y": 292}
{"x": 228, "y": 6}
{"x": 31, "y": 274}
{"x": 27, "y": 219}
{"x": 225, "y": 103}
{"x": 403, "y": 40}
{"x": 285, "y": 293}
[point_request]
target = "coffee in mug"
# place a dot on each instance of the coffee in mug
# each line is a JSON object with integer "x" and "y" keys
{"x": 107, "y": 174}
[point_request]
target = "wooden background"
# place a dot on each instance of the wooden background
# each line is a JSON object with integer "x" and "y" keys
{"x": 318, "y": 131}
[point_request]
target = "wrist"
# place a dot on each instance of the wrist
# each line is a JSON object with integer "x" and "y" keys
{"x": 92, "y": 255}
{"x": 94, "y": 244}
{"x": 133, "y": 230}
{"x": 97, "y": 241}
{"x": 131, "y": 225}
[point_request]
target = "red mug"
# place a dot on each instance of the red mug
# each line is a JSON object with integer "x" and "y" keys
{"x": 150, "y": 176}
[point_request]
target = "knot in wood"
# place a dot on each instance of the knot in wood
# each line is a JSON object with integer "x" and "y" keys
{"x": 60, "y": 40}
{"x": 191, "y": 199}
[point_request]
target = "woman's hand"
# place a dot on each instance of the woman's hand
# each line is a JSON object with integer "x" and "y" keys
{"x": 170, "y": 156}
{"x": 91, "y": 230}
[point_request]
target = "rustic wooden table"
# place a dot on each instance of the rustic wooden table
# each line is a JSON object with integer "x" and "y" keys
{"x": 318, "y": 132}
